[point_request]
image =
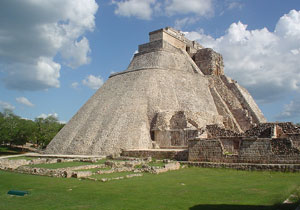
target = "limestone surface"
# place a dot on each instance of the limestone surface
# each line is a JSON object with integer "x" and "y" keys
{"x": 160, "y": 100}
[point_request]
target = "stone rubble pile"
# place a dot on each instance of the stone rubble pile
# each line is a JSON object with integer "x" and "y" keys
{"x": 216, "y": 131}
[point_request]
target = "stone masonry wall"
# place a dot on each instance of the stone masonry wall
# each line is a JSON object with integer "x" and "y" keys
{"x": 158, "y": 154}
{"x": 266, "y": 130}
{"x": 251, "y": 150}
{"x": 295, "y": 140}
{"x": 209, "y": 61}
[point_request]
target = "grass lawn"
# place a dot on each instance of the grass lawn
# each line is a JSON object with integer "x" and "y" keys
{"x": 153, "y": 163}
{"x": 60, "y": 165}
{"x": 102, "y": 161}
{"x": 6, "y": 150}
{"x": 65, "y": 164}
{"x": 95, "y": 169}
{"x": 22, "y": 157}
{"x": 112, "y": 175}
{"x": 189, "y": 188}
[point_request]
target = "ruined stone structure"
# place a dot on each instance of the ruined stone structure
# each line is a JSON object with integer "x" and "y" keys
{"x": 173, "y": 90}
{"x": 268, "y": 143}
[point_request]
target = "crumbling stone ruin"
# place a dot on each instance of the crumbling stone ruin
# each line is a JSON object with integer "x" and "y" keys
{"x": 173, "y": 90}
{"x": 135, "y": 167}
{"x": 265, "y": 143}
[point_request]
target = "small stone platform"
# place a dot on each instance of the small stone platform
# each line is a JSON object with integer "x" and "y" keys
{"x": 175, "y": 154}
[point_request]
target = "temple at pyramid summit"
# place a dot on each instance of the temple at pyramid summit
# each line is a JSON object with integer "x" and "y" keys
{"x": 173, "y": 93}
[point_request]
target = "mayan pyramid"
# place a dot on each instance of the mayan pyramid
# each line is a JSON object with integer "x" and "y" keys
{"x": 172, "y": 89}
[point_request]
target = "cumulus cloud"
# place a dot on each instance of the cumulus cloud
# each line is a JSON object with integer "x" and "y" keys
{"x": 291, "y": 111}
{"x": 43, "y": 115}
{"x": 33, "y": 32}
{"x": 74, "y": 85}
{"x": 267, "y": 63}
{"x": 76, "y": 54}
{"x": 145, "y": 9}
{"x": 141, "y": 9}
{"x": 180, "y": 23}
{"x": 93, "y": 82}
{"x": 24, "y": 101}
{"x": 234, "y": 5}
{"x": 5, "y": 105}
{"x": 197, "y": 7}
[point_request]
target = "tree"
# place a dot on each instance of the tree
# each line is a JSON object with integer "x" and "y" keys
{"x": 9, "y": 127}
{"x": 17, "y": 131}
{"x": 24, "y": 131}
{"x": 47, "y": 128}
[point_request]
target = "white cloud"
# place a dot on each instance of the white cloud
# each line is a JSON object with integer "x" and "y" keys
{"x": 138, "y": 8}
{"x": 291, "y": 111}
{"x": 74, "y": 85}
{"x": 77, "y": 54}
{"x": 24, "y": 101}
{"x": 235, "y": 5}
{"x": 6, "y": 105}
{"x": 197, "y": 7}
{"x": 33, "y": 32}
{"x": 43, "y": 115}
{"x": 180, "y": 23}
{"x": 93, "y": 82}
{"x": 266, "y": 63}
{"x": 145, "y": 9}
{"x": 55, "y": 115}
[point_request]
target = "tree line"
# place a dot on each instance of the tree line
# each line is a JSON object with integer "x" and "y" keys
{"x": 15, "y": 130}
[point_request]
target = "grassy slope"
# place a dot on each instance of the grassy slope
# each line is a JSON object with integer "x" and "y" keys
{"x": 191, "y": 188}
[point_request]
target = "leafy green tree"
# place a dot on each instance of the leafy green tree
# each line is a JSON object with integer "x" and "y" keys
{"x": 17, "y": 131}
{"x": 25, "y": 129}
{"x": 9, "y": 127}
{"x": 47, "y": 128}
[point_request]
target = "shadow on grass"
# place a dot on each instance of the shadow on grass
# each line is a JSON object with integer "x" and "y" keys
{"x": 7, "y": 150}
{"x": 292, "y": 206}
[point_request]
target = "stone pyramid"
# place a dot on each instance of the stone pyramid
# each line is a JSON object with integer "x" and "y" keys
{"x": 172, "y": 89}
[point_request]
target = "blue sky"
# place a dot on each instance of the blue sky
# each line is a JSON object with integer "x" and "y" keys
{"x": 54, "y": 54}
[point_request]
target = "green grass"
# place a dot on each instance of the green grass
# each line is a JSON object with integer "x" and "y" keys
{"x": 95, "y": 169}
{"x": 22, "y": 157}
{"x": 102, "y": 161}
{"x": 189, "y": 188}
{"x": 66, "y": 164}
{"x": 60, "y": 165}
{"x": 154, "y": 163}
{"x": 6, "y": 150}
{"x": 112, "y": 175}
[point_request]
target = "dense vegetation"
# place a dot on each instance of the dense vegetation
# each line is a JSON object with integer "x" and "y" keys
{"x": 17, "y": 131}
{"x": 189, "y": 188}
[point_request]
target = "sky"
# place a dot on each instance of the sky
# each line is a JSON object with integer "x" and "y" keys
{"x": 55, "y": 54}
